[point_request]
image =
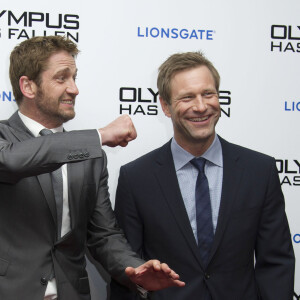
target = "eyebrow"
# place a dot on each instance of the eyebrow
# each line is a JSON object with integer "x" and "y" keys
{"x": 212, "y": 90}
{"x": 65, "y": 70}
{"x": 188, "y": 93}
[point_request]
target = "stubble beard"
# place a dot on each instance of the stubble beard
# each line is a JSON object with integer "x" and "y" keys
{"x": 50, "y": 109}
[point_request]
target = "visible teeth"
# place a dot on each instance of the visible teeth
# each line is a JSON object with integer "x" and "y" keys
{"x": 199, "y": 119}
{"x": 67, "y": 101}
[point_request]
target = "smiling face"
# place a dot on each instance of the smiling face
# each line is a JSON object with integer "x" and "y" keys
{"x": 55, "y": 97}
{"x": 194, "y": 109}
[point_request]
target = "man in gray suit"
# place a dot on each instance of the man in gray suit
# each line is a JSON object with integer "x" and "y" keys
{"x": 54, "y": 194}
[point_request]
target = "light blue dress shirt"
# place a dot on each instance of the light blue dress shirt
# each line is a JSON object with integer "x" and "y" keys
{"x": 187, "y": 176}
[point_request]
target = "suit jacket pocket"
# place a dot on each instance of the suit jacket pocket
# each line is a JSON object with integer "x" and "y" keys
{"x": 83, "y": 285}
{"x": 3, "y": 266}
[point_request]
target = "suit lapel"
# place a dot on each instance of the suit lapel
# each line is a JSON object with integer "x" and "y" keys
{"x": 232, "y": 174}
{"x": 22, "y": 133}
{"x": 46, "y": 185}
{"x": 167, "y": 179}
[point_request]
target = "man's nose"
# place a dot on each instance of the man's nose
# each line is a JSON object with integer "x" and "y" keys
{"x": 72, "y": 88}
{"x": 199, "y": 104}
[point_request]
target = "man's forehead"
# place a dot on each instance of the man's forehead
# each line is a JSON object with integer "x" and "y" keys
{"x": 62, "y": 60}
{"x": 191, "y": 75}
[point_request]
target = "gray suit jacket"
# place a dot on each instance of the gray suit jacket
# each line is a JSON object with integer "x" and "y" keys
{"x": 29, "y": 248}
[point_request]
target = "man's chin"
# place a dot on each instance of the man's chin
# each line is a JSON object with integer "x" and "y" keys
{"x": 67, "y": 117}
{"x": 204, "y": 137}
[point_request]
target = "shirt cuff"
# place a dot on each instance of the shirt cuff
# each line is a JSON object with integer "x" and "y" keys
{"x": 142, "y": 292}
{"x": 99, "y": 137}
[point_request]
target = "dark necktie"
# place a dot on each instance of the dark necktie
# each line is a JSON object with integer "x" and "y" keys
{"x": 57, "y": 183}
{"x": 205, "y": 231}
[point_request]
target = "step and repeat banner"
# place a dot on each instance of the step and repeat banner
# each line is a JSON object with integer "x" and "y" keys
{"x": 255, "y": 45}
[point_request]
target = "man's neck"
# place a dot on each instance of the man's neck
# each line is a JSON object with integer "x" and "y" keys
{"x": 196, "y": 148}
{"x": 36, "y": 116}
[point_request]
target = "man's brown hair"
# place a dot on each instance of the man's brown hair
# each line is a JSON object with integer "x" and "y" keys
{"x": 30, "y": 57}
{"x": 179, "y": 62}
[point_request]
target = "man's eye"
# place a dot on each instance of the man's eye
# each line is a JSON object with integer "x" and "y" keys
{"x": 209, "y": 95}
{"x": 186, "y": 97}
{"x": 61, "y": 78}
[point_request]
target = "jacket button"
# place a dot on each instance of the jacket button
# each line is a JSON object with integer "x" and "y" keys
{"x": 207, "y": 276}
{"x": 44, "y": 281}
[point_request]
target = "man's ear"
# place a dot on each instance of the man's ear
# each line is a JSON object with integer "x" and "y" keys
{"x": 165, "y": 107}
{"x": 27, "y": 87}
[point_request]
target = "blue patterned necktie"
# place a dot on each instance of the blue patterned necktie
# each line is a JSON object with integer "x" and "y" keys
{"x": 57, "y": 183}
{"x": 205, "y": 231}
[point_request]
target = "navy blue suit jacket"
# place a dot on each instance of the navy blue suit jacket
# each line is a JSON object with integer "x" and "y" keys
{"x": 251, "y": 223}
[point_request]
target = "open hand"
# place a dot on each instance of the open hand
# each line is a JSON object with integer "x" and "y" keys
{"x": 154, "y": 276}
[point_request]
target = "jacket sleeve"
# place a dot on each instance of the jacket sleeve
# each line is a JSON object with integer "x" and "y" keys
{"x": 106, "y": 241}
{"x": 275, "y": 261}
{"x": 128, "y": 218}
{"x": 22, "y": 156}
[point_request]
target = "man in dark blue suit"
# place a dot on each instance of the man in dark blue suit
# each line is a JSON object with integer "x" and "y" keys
{"x": 222, "y": 226}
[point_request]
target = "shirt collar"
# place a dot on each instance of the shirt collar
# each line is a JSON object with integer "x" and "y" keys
{"x": 213, "y": 154}
{"x": 36, "y": 127}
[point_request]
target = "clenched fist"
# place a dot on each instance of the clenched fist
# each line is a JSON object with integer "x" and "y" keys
{"x": 119, "y": 132}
